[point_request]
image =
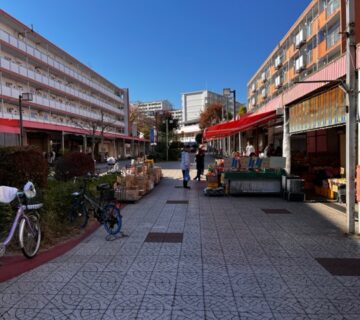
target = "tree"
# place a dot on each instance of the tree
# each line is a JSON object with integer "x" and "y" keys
{"x": 144, "y": 123}
{"x": 242, "y": 110}
{"x": 211, "y": 115}
{"x": 93, "y": 128}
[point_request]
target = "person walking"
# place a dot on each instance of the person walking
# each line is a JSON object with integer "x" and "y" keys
{"x": 185, "y": 166}
{"x": 200, "y": 159}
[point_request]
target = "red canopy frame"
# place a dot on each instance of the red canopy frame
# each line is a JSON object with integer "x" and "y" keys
{"x": 229, "y": 128}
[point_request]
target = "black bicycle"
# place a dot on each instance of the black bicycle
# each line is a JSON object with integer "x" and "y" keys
{"x": 105, "y": 209}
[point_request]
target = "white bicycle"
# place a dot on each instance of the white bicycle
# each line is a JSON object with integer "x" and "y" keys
{"x": 29, "y": 223}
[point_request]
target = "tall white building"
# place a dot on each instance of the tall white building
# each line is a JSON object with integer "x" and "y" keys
{"x": 69, "y": 99}
{"x": 150, "y": 108}
{"x": 193, "y": 103}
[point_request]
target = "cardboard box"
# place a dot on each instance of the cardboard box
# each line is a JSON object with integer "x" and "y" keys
{"x": 130, "y": 181}
{"x": 212, "y": 185}
{"x": 150, "y": 185}
{"x": 132, "y": 195}
{"x": 120, "y": 180}
{"x": 213, "y": 179}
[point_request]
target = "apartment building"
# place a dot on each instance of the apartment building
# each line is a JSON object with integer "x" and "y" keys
{"x": 312, "y": 43}
{"x": 177, "y": 114}
{"x": 150, "y": 108}
{"x": 301, "y": 81}
{"x": 70, "y": 102}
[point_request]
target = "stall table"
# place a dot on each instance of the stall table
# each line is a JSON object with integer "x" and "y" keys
{"x": 253, "y": 182}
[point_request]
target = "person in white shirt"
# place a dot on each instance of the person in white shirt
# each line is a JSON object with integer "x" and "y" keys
{"x": 249, "y": 150}
{"x": 185, "y": 166}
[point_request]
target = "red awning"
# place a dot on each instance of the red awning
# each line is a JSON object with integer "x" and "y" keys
{"x": 9, "y": 126}
{"x": 232, "y": 127}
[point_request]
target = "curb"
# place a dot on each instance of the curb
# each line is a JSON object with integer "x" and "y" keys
{"x": 13, "y": 266}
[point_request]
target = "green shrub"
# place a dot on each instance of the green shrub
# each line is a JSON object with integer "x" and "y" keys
{"x": 18, "y": 165}
{"x": 6, "y": 218}
{"x": 74, "y": 164}
{"x": 54, "y": 213}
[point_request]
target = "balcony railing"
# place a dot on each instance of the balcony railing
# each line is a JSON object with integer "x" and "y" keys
{"x": 55, "y": 64}
{"x": 62, "y": 107}
{"x": 11, "y": 66}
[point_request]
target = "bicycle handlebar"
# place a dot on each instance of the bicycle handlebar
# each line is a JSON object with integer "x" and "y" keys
{"x": 34, "y": 206}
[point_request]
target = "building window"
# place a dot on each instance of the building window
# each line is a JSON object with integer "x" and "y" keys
{"x": 332, "y": 6}
{"x": 333, "y": 36}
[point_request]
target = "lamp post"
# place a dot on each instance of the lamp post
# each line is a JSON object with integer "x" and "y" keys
{"x": 167, "y": 137}
{"x": 25, "y": 96}
{"x": 226, "y": 93}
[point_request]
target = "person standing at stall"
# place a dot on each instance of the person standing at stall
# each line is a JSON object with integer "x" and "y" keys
{"x": 200, "y": 160}
{"x": 249, "y": 150}
{"x": 269, "y": 150}
{"x": 185, "y": 166}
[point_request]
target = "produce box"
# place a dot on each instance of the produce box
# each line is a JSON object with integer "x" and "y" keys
{"x": 120, "y": 180}
{"x": 150, "y": 185}
{"x": 212, "y": 185}
{"x": 149, "y": 161}
{"x": 212, "y": 179}
{"x": 132, "y": 195}
{"x": 142, "y": 192}
{"x": 119, "y": 193}
{"x": 130, "y": 181}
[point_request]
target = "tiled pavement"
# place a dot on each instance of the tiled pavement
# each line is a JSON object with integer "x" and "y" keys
{"x": 235, "y": 262}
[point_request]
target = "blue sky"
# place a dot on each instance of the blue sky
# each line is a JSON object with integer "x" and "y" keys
{"x": 161, "y": 48}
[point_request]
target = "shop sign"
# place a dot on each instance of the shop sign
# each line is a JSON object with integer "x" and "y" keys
{"x": 324, "y": 110}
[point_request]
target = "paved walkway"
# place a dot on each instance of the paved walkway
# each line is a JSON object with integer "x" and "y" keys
{"x": 235, "y": 262}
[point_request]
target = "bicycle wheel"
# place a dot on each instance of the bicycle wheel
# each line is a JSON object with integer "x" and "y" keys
{"x": 30, "y": 235}
{"x": 78, "y": 215}
{"x": 112, "y": 219}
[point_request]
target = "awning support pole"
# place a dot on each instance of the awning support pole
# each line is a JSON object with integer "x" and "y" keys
{"x": 287, "y": 142}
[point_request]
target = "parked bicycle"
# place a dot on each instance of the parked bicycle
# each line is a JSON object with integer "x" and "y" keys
{"x": 105, "y": 209}
{"x": 29, "y": 223}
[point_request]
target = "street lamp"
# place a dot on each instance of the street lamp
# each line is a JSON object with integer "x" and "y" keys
{"x": 167, "y": 121}
{"x": 226, "y": 93}
{"x": 25, "y": 96}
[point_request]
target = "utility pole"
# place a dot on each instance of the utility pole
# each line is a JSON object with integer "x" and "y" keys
{"x": 351, "y": 114}
{"x": 21, "y": 122}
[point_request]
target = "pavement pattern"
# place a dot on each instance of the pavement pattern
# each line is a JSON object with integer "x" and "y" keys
{"x": 235, "y": 262}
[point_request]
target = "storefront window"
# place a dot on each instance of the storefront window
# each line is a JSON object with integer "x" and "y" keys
{"x": 320, "y": 111}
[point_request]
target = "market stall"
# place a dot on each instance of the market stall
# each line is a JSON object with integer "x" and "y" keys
{"x": 240, "y": 175}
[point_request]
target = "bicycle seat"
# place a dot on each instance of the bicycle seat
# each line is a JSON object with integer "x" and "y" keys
{"x": 103, "y": 186}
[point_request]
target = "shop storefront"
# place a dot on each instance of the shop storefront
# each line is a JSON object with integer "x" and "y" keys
{"x": 317, "y": 128}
